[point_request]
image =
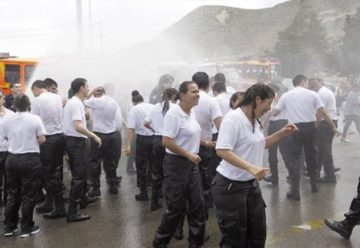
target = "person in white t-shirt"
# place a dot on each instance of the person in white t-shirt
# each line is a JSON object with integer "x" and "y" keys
{"x": 302, "y": 107}
{"x": 239, "y": 205}
{"x": 182, "y": 181}
{"x": 24, "y": 132}
{"x": 48, "y": 106}
{"x": 207, "y": 112}
{"x": 324, "y": 134}
{"x": 144, "y": 142}
{"x": 106, "y": 118}
{"x": 4, "y": 114}
{"x": 154, "y": 121}
{"x": 76, "y": 133}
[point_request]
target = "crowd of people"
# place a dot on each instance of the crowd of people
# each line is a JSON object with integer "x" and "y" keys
{"x": 198, "y": 147}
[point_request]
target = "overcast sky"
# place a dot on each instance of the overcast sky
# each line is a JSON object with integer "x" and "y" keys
{"x": 42, "y": 27}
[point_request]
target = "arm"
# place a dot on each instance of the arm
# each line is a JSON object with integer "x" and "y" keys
{"x": 84, "y": 131}
{"x": 217, "y": 122}
{"x": 172, "y": 146}
{"x": 41, "y": 139}
{"x": 230, "y": 157}
{"x": 279, "y": 135}
{"x": 130, "y": 137}
{"x": 322, "y": 112}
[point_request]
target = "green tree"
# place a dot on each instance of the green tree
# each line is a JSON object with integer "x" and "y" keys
{"x": 302, "y": 47}
{"x": 350, "y": 48}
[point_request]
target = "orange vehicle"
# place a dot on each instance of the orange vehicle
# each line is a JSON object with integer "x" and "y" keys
{"x": 15, "y": 70}
{"x": 256, "y": 69}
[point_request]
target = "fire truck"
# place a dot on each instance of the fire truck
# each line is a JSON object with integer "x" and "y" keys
{"x": 15, "y": 70}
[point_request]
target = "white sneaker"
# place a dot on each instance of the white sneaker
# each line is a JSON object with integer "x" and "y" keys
{"x": 34, "y": 230}
{"x": 345, "y": 140}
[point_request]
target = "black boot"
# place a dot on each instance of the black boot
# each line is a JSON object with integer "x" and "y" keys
{"x": 113, "y": 188}
{"x": 143, "y": 195}
{"x": 294, "y": 193}
{"x": 46, "y": 206}
{"x": 344, "y": 227}
{"x": 155, "y": 204}
{"x": 73, "y": 215}
{"x": 59, "y": 210}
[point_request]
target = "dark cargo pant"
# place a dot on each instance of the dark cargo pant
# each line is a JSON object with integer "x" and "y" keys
{"x": 182, "y": 184}
{"x": 240, "y": 212}
{"x": 23, "y": 172}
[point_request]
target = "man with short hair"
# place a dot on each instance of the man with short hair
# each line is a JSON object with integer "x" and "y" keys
{"x": 51, "y": 85}
{"x": 207, "y": 112}
{"x": 76, "y": 133}
{"x": 324, "y": 135}
{"x": 302, "y": 106}
{"x": 15, "y": 89}
{"x": 106, "y": 118}
{"x": 48, "y": 106}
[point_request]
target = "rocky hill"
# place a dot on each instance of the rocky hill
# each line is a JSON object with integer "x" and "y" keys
{"x": 219, "y": 31}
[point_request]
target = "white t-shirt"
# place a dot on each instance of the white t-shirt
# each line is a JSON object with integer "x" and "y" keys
{"x": 183, "y": 129}
{"x": 74, "y": 110}
{"x": 328, "y": 99}
{"x": 48, "y": 106}
{"x": 206, "y": 112}
{"x": 236, "y": 134}
{"x": 223, "y": 101}
{"x": 300, "y": 105}
{"x": 156, "y": 117}
{"x": 4, "y": 144}
{"x": 136, "y": 118}
{"x": 22, "y": 130}
{"x": 104, "y": 113}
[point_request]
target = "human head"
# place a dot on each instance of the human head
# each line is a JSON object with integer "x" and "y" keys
{"x": 218, "y": 88}
{"x": 169, "y": 95}
{"x": 189, "y": 93}
{"x": 15, "y": 88}
{"x": 202, "y": 80}
{"x": 236, "y": 98}
{"x": 136, "y": 97}
{"x": 22, "y": 103}
{"x": 166, "y": 81}
{"x": 38, "y": 87}
{"x": 99, "y": 91}
{"x": 79, "y": 87}
{"x": 299, "y": 80}
{"x": 220, "y": 78}
{"x": 259, "y": 97}
{"x": 51, "y": 85}
{"x": 314, "y": 84}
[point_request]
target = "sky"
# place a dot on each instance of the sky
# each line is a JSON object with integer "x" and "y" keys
{"x": 41, "y": 27}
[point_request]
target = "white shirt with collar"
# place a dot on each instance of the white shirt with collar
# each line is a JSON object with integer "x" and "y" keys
{"x": 300, "y": 105}
{"x": 183, "y": 129}
{"x": 236, "y": 134}
{"x": 74, "y": 110}
{"x": 136, "y": 118}
{"x": 104, "y": 113}
{"x": 4, "y": 144}
{"x": 48, "y": 106}
{"x": 328, "y": 99}
{"x": 22, "y": 130}
{"x": 206, "y": 112}
{"x": 156, "y": 117}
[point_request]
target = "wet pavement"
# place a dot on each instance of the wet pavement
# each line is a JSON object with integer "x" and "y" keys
{"x": 120, "y": 221}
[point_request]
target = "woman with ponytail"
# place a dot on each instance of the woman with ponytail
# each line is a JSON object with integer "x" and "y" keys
{"x": 154, "y": 121}
{"x": 144, "y": 140}
{"x": 240, "y": 208}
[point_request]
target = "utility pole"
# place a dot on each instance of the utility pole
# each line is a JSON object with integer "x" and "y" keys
{"x": 79, "y": 25}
